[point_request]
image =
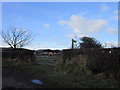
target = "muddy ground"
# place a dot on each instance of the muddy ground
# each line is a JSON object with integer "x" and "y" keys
{"x": 17, "y": 79}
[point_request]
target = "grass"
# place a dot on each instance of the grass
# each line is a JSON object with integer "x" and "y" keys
{"x": 56, "y": 79}
{"x": 45, "y": 60}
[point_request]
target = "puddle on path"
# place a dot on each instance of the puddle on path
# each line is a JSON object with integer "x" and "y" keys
{"x": 37, "y": 81}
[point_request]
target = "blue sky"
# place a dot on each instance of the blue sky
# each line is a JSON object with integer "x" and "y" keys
{"x": 54, "y": 24}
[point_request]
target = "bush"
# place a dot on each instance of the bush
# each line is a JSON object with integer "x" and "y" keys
{"x": 19, "y": 55}
{"x": 96, "y": 60}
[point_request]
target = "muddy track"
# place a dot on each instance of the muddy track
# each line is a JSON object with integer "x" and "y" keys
{"x": 17, "y": 79}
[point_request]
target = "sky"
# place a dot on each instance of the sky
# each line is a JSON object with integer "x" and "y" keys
{"x": 53, "y": 24}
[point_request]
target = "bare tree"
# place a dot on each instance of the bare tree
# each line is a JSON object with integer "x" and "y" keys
{"x": 16, "y": 38}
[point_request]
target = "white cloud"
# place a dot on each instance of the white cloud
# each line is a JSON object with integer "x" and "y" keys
{"x": 110, "y": 44}
{"x": 83, "y": 26}
{"x": 2, "y": 43}
{"x": 20, "y": 30}
{"x": 117, "y": 17}
{"x": 111, "y": 30}
{"x": 70, "y": 36}
{"x": 105, "y": 7}
{"x": 114, "y": 17}
{"x": 46, "y": 25}
{"x": 62, "y": 22}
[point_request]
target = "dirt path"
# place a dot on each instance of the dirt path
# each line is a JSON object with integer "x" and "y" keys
{"x": 16, "y": 79}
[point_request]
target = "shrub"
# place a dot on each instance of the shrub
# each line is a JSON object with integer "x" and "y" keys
{"x": 96, "y": 60}
{"x": 19, "y": 55}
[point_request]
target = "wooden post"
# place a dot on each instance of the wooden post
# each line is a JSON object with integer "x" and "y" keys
{"x": 73, "y": 43}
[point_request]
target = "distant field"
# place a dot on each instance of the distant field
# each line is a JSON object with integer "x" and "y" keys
{"x": 45, "y": 60}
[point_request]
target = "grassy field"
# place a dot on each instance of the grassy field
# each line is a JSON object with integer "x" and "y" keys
{"x": 45, "y": 60}
{"x": 55, "y": 79}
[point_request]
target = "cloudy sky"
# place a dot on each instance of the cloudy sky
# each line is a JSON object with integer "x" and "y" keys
{"x": 54, "y": 24}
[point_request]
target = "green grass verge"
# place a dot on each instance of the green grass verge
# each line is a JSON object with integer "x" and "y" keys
{"x": 54, "y": 79}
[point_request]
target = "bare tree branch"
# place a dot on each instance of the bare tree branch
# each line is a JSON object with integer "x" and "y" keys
{"x": 16, "y": 38}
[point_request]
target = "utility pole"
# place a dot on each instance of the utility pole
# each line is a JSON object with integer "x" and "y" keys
{"x": 73, "y": 41}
